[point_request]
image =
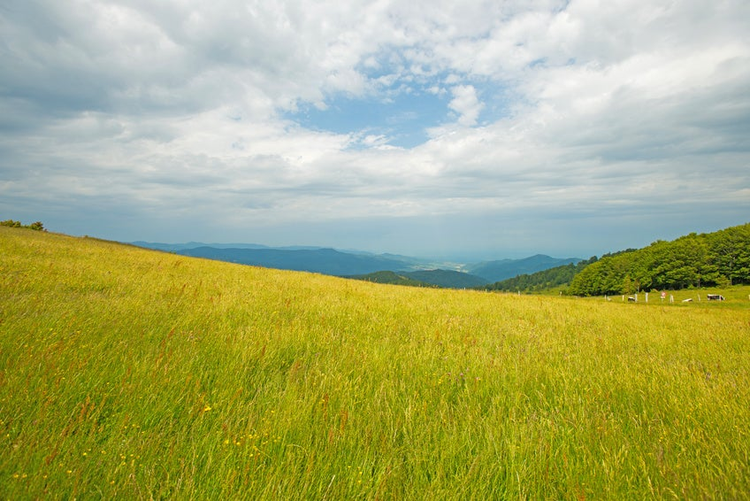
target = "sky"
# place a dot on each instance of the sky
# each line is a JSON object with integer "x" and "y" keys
{"x": 469, "y": 130}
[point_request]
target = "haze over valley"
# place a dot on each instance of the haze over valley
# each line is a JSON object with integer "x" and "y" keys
{"x": 352, "y": 263}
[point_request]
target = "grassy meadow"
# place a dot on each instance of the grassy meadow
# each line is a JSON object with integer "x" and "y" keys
{"x": 133, "y": 374}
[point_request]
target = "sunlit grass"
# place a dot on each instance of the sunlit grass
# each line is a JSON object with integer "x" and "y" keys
{"x": 136, "y": 374}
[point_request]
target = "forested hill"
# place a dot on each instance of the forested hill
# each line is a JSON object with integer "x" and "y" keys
{"x": 721, "y": 258}
{"x": 425, "y": 278}
{"x": 503, "y": 269}
{"x": 545, "y": 280}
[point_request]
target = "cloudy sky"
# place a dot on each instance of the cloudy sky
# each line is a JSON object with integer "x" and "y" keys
{"x": 426, "y": 127}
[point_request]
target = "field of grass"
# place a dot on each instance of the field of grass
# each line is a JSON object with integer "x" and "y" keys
{"x": 735, "y": 297}
{"x": 127, "y": 373}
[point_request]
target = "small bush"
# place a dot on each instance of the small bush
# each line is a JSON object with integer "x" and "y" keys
{"x": 11, "y": 223}
{"x": 38, "y": 226}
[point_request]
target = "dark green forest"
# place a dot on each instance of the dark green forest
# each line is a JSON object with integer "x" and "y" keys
{"x": 390, "y": 277}
{"x": 541, "y": 280}
{"x": 719, "y": 259}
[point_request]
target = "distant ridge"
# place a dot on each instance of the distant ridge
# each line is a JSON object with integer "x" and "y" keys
{"x": 425, "y": 278}
{"x": 496, "y": 271}
{"x": 391, "y": 278}
{"x": 195, "y": 245}
{"x": 325, "y": 261}
{"x": 356, "y": 264}
{"x": 558, "y": 277}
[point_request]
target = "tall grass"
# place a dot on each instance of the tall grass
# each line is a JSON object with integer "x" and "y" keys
{"x": 135, "y": 374}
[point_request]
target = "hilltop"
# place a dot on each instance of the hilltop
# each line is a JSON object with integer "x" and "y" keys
{"x": 495, "y": 271}
{"x": 130, "y": 373}
{"x": 718, "y": 259}
{"x": 552, "y": 279}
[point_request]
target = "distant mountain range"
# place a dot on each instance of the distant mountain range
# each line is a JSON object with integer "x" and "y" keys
{"x": 194, "y": 245}
{"x": 495, "y": 271}
{"x": 325, "y": 261}
{"x": 363, "y": 265}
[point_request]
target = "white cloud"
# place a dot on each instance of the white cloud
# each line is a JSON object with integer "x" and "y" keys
{"x": 181, "y": 108}
{"x": 466, "y": 103}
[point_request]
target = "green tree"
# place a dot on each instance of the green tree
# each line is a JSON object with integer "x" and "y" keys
{"x": 690, "y": 261}
{"x": 38, "y": 226}
{"x": 11, "y": 223}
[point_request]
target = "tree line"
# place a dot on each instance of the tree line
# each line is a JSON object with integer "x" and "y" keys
{"x": 706, "y": 260}
{"x": 719, "y": 259}
{"x": 38, "y": 226}
{"x": 541, "y": 280}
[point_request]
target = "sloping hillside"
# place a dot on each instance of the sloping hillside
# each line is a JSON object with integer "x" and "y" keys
{"x": 709, "y": 259}
{"x": 134, "y": 374}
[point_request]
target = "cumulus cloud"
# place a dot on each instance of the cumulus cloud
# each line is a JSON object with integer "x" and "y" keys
{"x": 466, "y": 103}
{"x": 165, "y": 112}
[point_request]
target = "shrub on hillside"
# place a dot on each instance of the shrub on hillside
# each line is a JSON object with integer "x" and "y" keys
{"x": 10, "y": 223}
{"x": 38, "y": 226}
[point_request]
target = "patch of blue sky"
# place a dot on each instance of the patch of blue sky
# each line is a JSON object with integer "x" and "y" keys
{"x": 401, "y": 120}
